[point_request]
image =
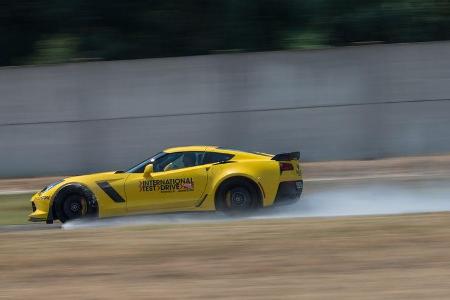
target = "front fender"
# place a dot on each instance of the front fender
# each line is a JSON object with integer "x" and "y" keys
{"x": 89, "y": 195}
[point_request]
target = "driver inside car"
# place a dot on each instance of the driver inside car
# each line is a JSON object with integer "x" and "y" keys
{"x": 187, "y": 160}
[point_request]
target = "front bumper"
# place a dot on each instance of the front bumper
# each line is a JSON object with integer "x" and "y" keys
{"x": 40, "y": 206}
{"x": 289, "y": 192}
{"x": 37, "y": 219}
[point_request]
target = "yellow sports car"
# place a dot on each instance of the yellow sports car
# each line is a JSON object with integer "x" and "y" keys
{"x": 193, "y": 178}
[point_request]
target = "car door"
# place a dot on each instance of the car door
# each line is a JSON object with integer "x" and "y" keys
{"x": 174, "y": 185}
{"x": 183, "y": 187}
{"x": 142, "y": 193}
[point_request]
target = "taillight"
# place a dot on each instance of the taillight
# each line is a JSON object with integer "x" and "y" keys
{"x": 284, "y": 166}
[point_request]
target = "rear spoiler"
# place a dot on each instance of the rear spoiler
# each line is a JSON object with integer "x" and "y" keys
{"x": 287, "y": 156}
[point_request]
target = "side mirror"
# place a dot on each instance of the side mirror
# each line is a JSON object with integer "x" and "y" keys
{"x": 148, "y": 171}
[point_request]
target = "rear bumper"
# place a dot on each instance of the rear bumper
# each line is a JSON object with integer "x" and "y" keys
{"x": 289, "y": 192}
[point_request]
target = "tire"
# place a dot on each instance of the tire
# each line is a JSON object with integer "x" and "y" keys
{"x": 237, "y": 196}
{"x": 75, "y": 202}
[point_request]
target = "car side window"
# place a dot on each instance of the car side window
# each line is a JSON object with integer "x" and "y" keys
{"x": 178, "y": 160}
{"x": 139, "y": 168}
{"x": 214, "y": 157}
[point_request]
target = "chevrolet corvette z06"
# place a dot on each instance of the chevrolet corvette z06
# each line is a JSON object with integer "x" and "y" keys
{"x": 192, "y": 178}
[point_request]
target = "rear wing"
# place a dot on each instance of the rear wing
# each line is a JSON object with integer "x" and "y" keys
{"x": 287, "y": 156}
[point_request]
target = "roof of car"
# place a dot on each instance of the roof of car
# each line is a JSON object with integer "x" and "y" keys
{"x": 241, "y": 153}
{"x": 190, "y": 148}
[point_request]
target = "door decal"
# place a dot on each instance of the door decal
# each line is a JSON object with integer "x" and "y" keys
{"x": 167, "y": 185}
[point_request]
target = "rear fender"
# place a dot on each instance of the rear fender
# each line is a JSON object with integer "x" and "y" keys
{"x": 265, "y": 174}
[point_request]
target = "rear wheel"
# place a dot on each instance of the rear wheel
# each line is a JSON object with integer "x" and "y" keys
{"x": 237, "y": 195}
{"x": 238, "y": 199}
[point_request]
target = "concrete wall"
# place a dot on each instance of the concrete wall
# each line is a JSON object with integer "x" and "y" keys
{"x": 344, "y": 103}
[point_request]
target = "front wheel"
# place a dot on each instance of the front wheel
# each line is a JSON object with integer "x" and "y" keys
{"x": 74, "y": 202}
{"x": 74, "y": 207}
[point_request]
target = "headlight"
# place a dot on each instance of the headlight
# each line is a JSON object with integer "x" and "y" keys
{"x": 50, "y": 186}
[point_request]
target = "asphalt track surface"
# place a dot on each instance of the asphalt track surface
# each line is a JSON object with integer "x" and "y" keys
{"x": 324, "y": 198}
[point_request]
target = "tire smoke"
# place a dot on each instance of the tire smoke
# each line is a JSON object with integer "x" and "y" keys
{"x": 320, "y": 199}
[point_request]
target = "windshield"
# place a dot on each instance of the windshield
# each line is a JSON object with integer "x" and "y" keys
{"x": 139, "y": 168}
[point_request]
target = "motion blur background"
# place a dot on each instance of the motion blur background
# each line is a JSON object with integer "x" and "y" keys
{"x": 96, "y": 85}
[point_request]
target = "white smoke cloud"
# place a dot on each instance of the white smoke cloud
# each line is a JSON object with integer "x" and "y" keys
{"x": 321, "y": 199}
